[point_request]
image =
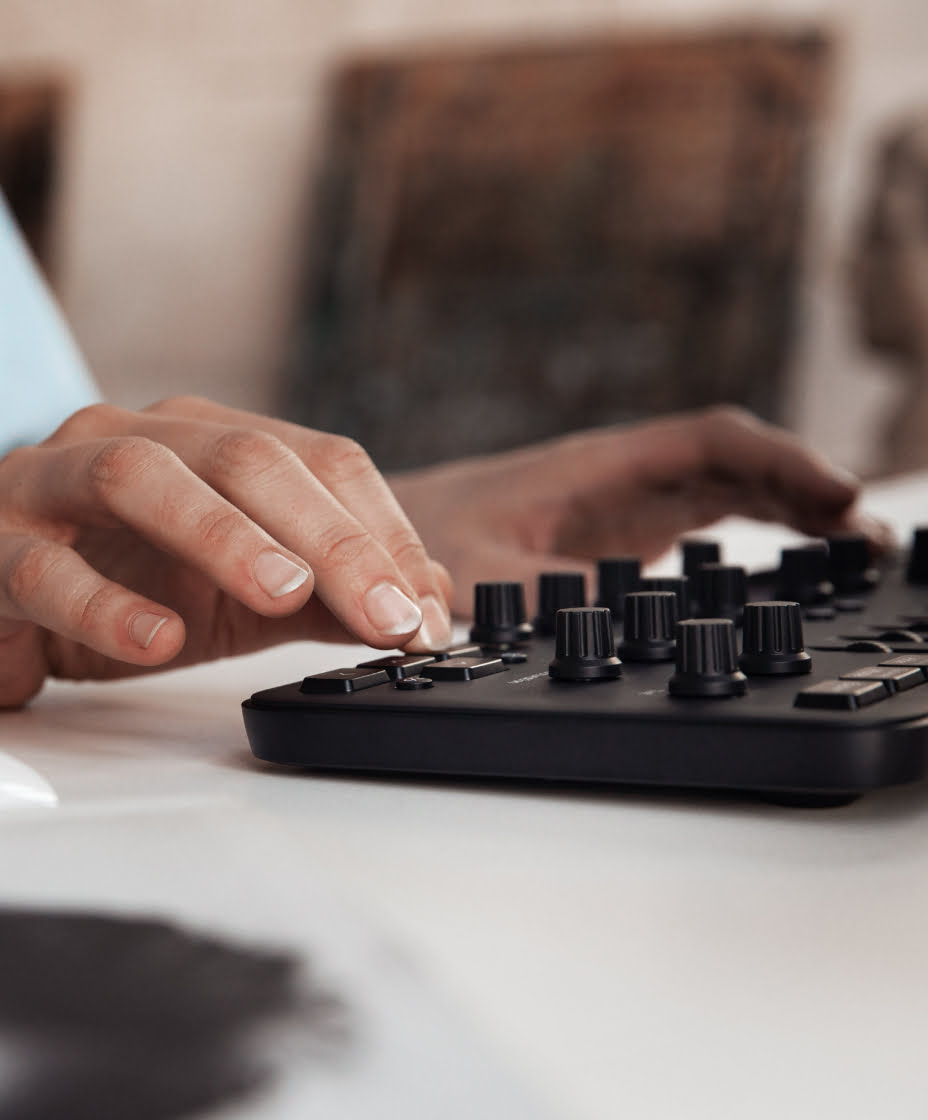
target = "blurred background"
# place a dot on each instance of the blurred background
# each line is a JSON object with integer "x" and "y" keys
{"x": 446, "y": 229}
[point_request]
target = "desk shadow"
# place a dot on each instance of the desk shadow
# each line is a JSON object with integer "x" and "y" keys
{"x": 104, "y": 1016}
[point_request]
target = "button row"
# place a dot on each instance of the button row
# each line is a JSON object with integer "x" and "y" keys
{"x": 866, "y": 685}
{"x": 407, "y": 671}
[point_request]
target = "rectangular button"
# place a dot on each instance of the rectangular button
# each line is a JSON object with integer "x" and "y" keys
{"x": 463, "y": 668}
{"x": 399, "y": 665}
{"x": 343, "y": 680}
{"x": 912, "y": 660}
{"x": 841, "y": 695}
{"x": 898, "y": 677}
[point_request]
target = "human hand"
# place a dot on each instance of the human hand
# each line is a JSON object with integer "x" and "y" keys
{"x": 630, "y": 490}
{"x": 188, "y": 531}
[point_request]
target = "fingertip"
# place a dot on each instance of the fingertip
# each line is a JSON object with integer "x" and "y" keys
{"x": 155, "y": 636}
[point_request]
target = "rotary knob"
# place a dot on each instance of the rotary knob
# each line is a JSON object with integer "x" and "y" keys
{"x": 721, "y": 591}
{"x": 499, "y": 614}
{"x": 584, "y": 646}
{"x": 650, "y": 626}
{"x": 849, "y": 562}
{"x": 772, "y": 642}
{"x": 698, "y": 552}
{"x": 803, "y": 575}
{"x": 917, "y": 571}
{"x": 680, "y": 585}
{"x": 618, "y": 577}
{"x": 557, "y": 591}
{"x": 706, "y": 660}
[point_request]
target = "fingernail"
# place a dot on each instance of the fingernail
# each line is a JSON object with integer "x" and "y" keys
{"x": 390, "y": 611}
{"x": 276, "y": 575}
{"x": 435, "y": 631}
{"x": 144, "y": 626}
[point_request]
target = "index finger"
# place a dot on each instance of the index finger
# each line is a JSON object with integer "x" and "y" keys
{"x": 351, "y": 477}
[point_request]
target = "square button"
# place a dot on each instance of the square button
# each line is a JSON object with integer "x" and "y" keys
{"x": 897, "y": 677}
{"x": 463, "y": 668}
{"x": 841, "y": 695}
{"x": 343, "y": 680}
{"x": 399, "y": 665}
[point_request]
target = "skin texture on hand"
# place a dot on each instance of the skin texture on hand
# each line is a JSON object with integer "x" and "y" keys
{"x": 633, "y": 490}
{"x": 187, "y": 532}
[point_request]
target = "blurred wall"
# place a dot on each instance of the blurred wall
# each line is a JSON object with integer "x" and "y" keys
{"x": 189, "y": 154}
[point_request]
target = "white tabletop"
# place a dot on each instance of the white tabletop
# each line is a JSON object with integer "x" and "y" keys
{"x": 584, "y": 955}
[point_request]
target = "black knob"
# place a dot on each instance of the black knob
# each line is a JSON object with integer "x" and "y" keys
{"x": 557, "y": 590}
{"x": 917, "y": 571}
{"x": 698, "y": 552}
{"x": 499, "y": 614}
{"x": 584, "y": 647}
{"x": 680, "y": 585}
{"x": 650, "y": 626}
{"x": 772, "y": 642}
{"x": 618, "y": 577}
{"x": 706, "y": 660}
{"x": 849, "y": 563}
{"x": 803, "y": 575}
{"x": 721, "y": 591}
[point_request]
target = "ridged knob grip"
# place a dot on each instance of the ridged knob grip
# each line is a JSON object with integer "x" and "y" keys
{"x": 585, "y": 646}
{"x": 650, "y": 626}
{"x": 499, "y": 614}
{"x": 706, "y": 660}
{"x": 618, "y": 577}
{"x": 557, "y": 591}
{"x": 773, "y": 643}
{"x": 803, "y": 576}
{"x": 680, "y": 585}
{"x": 721, "y": 591}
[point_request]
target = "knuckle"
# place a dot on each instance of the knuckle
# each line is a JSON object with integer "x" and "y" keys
{"x": 218, "y": 529}
{"x": 120, "y": 460}
{"x": 87, "y": 422}
{"x": 182, "y": 404}
{"x": 95, "y": 608}
{"x": 339, "y": 549}
{"x": 31, "y": 571}
{"x": 343, "y": 459}
{"x": 729, "y": 418}
{"x": 247, "y": 451}
{"x": 407, "y": 551}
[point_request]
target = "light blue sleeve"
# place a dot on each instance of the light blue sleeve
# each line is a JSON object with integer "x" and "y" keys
{"x": 43, "y": 378}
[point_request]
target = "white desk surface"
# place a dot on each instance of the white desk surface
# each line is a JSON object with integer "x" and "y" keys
{"x": 615, "y": 955}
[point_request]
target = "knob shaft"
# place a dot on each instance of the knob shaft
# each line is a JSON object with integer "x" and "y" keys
{"x": 680, "y": 585}
{"x": 721, "y": 591}
{"x": 557, "y": 591}
{"x": 499, "y": 614}
{"x": 773, "y": 643}
{"x": 618, "y": 577}
{"x": 706, "y": 660}
{"x": 584, "y": 646}
{"x": 650, "y": 626}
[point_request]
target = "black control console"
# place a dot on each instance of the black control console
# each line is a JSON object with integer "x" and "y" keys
{"x": 805, "y": 684}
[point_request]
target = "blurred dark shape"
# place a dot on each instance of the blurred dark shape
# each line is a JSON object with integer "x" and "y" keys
{"x": 30, "y": 122}
{"x": 890, "y": 279}
{"x": 511, "y": 243}
{"x": 134, "y": 1018}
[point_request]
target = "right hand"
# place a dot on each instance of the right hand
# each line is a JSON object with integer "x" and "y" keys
{"x": 131, "y": 541}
